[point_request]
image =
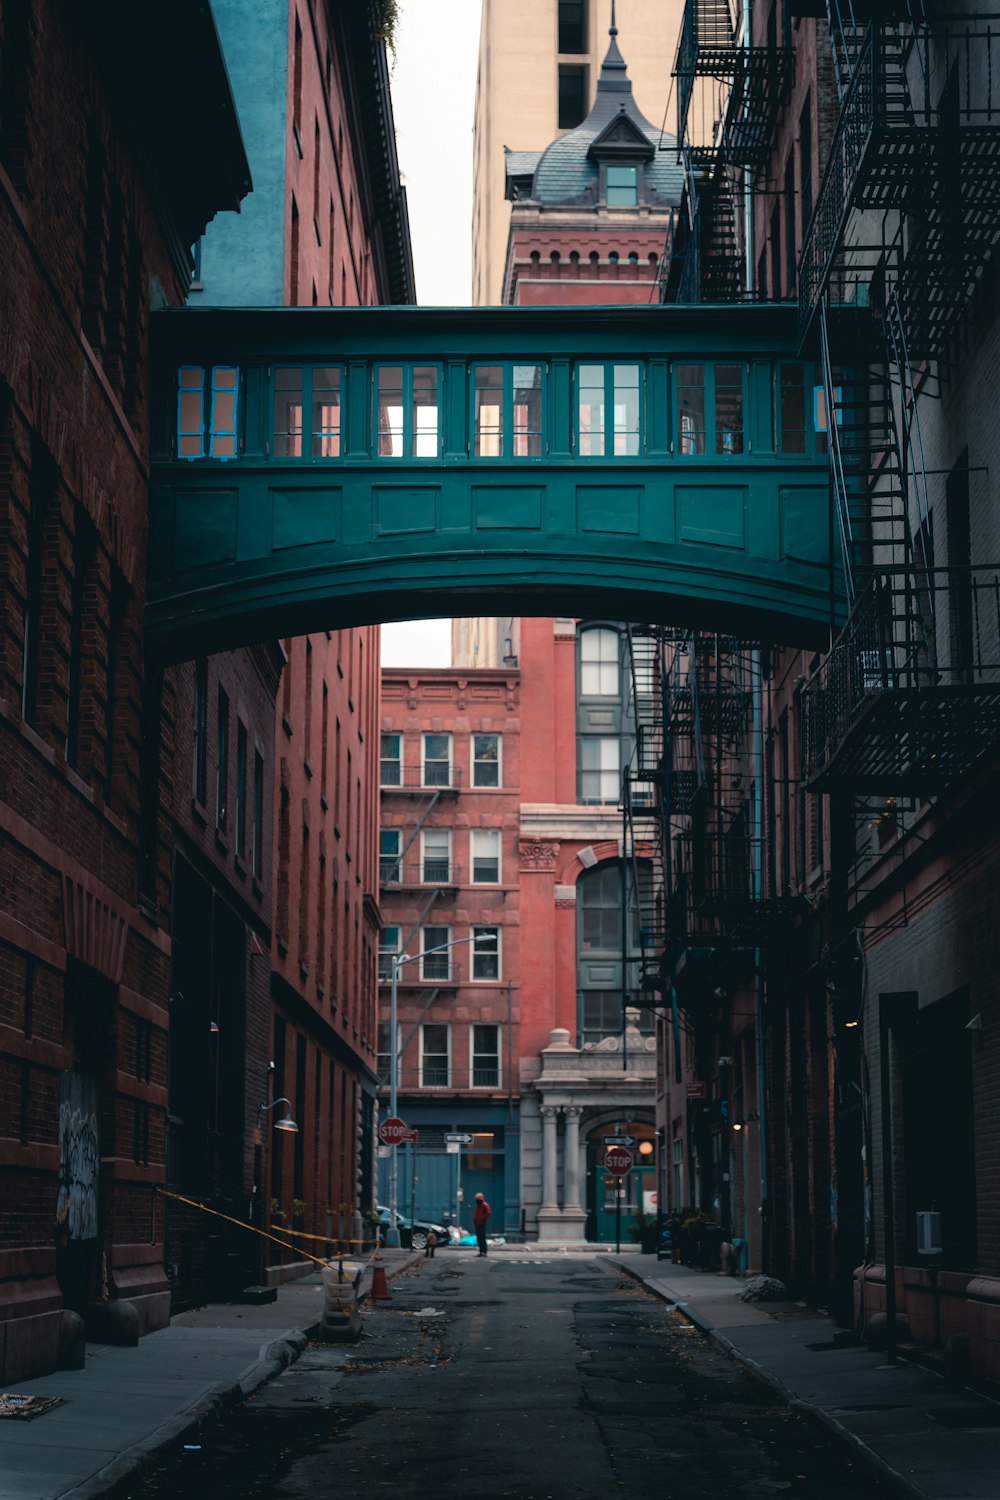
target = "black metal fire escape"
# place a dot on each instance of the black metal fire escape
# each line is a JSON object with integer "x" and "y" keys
{"x": 903, "y": 236}
{"x": 730, "y": 97}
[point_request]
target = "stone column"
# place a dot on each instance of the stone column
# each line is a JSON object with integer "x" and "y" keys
{"x": 549, "y": 1217}
{"x": 574, "y": 1216}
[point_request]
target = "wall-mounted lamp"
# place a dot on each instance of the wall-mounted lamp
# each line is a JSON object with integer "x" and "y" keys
{"x": 213, "y": 1027}
{"x": 286, "y": 1122}
{"x": 646, "y": 1148}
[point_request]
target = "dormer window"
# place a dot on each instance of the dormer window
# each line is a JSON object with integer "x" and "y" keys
{"x": 622, "y": 186}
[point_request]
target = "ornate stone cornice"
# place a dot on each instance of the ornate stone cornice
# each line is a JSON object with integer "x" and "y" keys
{"x": 570, "y": 823}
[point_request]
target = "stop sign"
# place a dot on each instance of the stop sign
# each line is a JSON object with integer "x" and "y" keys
{"x": 393, "y": 1130}
{"x": 618, "y": 1161}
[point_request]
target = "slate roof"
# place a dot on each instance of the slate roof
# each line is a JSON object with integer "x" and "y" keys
{"x": 565, "y": 173}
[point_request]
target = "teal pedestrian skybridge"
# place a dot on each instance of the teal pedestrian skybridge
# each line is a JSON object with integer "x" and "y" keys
{"x": 316, "y": 468}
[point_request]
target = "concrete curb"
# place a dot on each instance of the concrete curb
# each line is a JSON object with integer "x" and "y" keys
{"x": 794, "y": 1403}
{"x": 276, "y": 1354}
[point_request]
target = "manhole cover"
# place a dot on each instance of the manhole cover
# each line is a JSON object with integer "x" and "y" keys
{"x": 26, "y": 1408}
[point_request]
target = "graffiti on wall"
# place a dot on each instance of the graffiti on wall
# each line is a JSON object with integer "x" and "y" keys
{"x": 79, "y": 1158}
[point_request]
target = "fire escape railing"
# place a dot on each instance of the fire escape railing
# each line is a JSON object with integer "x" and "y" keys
{"x": 907, "y": 702}
{"x": 917, "y": 146}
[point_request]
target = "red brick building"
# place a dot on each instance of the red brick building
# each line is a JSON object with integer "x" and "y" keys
{"x": 97, "y": 205}
{"x": 326, "y": 225}
{"x": 451, "y": 769}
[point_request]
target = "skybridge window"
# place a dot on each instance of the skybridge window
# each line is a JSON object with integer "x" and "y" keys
{"x": 795, "y": 404}
{"x": 407, "y": 411}
{"x": 307, "y": 395}
{"x": 507, "y": 411}
{"x": 603, "y": 391}
{"x": 710, "y": 409}
{"x": 215, "y": 399}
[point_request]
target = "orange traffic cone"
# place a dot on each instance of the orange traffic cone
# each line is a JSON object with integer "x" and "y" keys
{"x": 380, "y": 1287}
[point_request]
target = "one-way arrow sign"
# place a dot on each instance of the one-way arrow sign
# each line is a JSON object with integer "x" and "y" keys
{"x": 457, "y": 1138}
{"x": 617, "y": 1140}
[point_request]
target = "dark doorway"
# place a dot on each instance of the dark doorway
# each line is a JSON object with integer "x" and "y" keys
{"x": 939, "y": 1135}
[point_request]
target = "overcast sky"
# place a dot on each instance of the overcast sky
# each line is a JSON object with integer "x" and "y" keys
{"x": 433, "y": 95}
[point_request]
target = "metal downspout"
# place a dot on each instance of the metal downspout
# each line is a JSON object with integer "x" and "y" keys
{"x": 758, "y": 891}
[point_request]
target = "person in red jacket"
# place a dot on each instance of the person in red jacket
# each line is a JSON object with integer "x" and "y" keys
{"x": 480, "y": 1219}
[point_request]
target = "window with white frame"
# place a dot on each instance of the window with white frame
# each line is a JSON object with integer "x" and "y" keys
{"x": 485, "y": 856}
{"x": 435, "y": 1055}
{"x": 485, "y": 760}
{"x": 486, "y": 953}
{"x": 435, "y": 864}
{"x": 600, "y": 653}
{"x": 600, "y": 768}
{"x": 389, "y": 843}
{"x": 435, "y": 964}
{"x": 437, "y": 760}
{"x": 391, "y": 764}
{"x": 388, "y": 946}
{"x": 485, "y": 1043}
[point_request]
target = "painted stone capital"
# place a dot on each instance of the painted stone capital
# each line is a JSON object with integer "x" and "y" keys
{"x": 537, "y": 857}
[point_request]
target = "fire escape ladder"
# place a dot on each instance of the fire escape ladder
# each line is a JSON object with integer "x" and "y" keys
{"x": 643, "y": 832}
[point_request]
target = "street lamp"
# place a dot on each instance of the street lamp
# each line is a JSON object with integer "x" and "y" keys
{"x": 286, "y": 1122}
{"x": 398, "y": 962}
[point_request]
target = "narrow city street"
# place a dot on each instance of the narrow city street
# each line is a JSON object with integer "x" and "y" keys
{"x": 523, "y": 1377}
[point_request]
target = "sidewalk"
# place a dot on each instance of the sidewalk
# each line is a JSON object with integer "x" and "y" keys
{"x": 129, "y": 1405}
{"x": 939, "y": 1439}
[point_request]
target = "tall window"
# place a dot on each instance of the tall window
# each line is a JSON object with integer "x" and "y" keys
{"x": 435, "y": 1055}
{"x": 600, "y": 768}
{"x": 258, "y": 815}
{"x": 436, "y": 965}
{"x": 241, "y": 789}
{"x": 599, "y": 663}
{"x": 222, "y": 760}
{"x": 437, "y": 760}
{"x": 485, "y": 856}
{"x": 729, "y": 408}
{"x": 388, "y": 856}
{"x": 41, "y": 495}
{"x": 572, "y": 95}
{"x": 485, "y": 1056}
{"x": 572, "y": 25}
{"x": 217, "y": 401}
{"x": 200, "y": 746}
{"x": 436, "y": 863}
{"x": 602, "y": 389}
{"x": 391, "y": 762}
{"x": 599, "y": 894}
{"x": 486, "y": 953}
{"x": 622, "y": 186}
{"x": 485, "y": 760}
{"x": 488, "y": 411}
{"x": 389, "y": 946}
{"x": 690, "y": 385}
{"x": 406, "y": 411}
{"x": 313, "y": 392}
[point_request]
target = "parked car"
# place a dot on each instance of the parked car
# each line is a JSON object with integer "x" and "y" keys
{"x": 417, "y": 1229}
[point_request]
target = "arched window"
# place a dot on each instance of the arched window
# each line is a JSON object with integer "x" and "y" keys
{"x": 600, "y": 918}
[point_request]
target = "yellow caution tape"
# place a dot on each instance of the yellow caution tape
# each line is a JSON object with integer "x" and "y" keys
{"x": 242, "y": 1224}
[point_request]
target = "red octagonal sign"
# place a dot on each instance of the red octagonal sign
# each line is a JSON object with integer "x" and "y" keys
{"x": 618, "y": 1161}
{"x": 393, "y": 1130}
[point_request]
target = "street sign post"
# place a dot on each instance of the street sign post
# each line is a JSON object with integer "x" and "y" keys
{"x": 618, "y": 1162}
{"x": 393, "y": 1130}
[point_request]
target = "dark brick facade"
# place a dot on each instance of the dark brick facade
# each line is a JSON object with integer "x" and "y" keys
{"x": 88, "y": 238}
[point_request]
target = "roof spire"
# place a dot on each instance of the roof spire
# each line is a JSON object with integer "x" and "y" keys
{"x": 613, "y": 74}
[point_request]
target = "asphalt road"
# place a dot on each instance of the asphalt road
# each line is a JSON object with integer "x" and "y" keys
{"x": 525, "y": 1378}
